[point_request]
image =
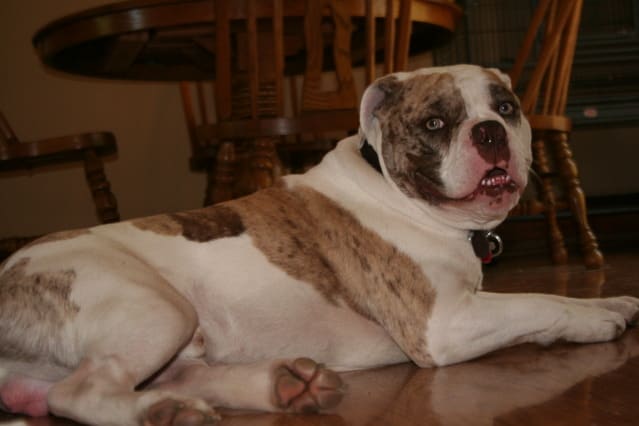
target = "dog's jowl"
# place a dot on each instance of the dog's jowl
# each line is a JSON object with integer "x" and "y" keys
{"x": 365, "y": 260}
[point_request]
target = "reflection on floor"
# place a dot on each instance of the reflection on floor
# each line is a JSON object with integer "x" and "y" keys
{"x": 565, "y": 384}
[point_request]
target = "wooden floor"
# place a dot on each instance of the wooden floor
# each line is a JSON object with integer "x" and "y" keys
{"x": 565, "y": 384}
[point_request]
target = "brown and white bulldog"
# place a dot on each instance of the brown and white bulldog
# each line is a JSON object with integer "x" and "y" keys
{"x": 363, "y": 261}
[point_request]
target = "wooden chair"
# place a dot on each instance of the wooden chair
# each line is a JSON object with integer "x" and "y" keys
{"x": 238, "y": 123}
{"x": 544, "y": 102}
{"x": 87, "y": 148}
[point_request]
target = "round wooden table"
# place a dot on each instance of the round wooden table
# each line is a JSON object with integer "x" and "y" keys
{"x": 170, "y": 40}
{"x": 227, "y": 42}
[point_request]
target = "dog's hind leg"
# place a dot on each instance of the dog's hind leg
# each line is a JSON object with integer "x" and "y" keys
{"x": 101, "y": 391}
{"x": 129, "y": 327}
{"x": 298, "y": 385}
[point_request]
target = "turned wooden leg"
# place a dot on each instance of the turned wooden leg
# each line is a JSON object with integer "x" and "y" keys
{"x": 577, "y": 201}
{"x": 263, "y": 163}
{"x": 221, "y": 175}
{"x": 547, "y": 195}
{"x": 105, "y": 202}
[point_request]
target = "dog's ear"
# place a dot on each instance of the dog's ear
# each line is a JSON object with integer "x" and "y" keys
{"x": 384, "y": 89}
{"x": 505, "y": 78}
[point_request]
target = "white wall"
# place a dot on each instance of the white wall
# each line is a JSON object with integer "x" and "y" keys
{"x": 149, "y": 175}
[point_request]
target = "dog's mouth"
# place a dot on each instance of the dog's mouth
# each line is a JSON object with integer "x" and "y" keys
{"x": 494, "y": 183}
{"x": 497, "y": 180}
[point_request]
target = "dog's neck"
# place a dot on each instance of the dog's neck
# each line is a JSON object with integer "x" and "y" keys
{"x": 478, "y": 239}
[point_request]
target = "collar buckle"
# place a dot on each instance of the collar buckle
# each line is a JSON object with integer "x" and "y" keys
{"x": 487, "y": 245}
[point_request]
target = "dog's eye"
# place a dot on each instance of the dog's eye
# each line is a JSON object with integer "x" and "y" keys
{"x": 506, "y": 108}
{"x": 435, "y": 123}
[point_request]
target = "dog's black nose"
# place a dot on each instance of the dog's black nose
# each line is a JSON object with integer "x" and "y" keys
{"x": 489, "y": 132}
{"x": 489, "y": 137}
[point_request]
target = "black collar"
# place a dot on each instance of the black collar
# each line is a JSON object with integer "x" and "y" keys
{"x": 370, "y": 155}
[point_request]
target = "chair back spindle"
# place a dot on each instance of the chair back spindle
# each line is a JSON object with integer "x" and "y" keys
{"x": 252, "y": 117}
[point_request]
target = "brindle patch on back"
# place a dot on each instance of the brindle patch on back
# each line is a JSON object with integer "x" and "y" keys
{"x": 315, "y": 240}
{"x": 197, "y": 225}
{"x": 33, "y": 308}
{"x": 412, "y": 153}
{"x": 162, "y": 224}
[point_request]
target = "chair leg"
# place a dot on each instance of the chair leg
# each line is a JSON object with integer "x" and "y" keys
{"x": 263, "y": 163}
{"x": 221, "y": 175}
{"x": 546, "y": 191}
{"x": 593, "y": 258}
{"x": 105, "y": 202}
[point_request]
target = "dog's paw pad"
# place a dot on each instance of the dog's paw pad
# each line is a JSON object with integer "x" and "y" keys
{"x": 304, "y": 386}
{"x": 171, "y": 412}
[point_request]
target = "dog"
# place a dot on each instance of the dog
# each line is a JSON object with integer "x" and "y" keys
{"x": 368, "y": 259}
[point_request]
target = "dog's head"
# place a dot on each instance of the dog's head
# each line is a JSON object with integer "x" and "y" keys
{"x": 453, "y": 139}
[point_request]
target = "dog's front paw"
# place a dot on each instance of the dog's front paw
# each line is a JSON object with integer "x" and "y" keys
{"x": 592, "y": 324}
{"x": 304, "y": 386}
{"x": 173, "y": 412}
{"x": 627, "y": 306}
